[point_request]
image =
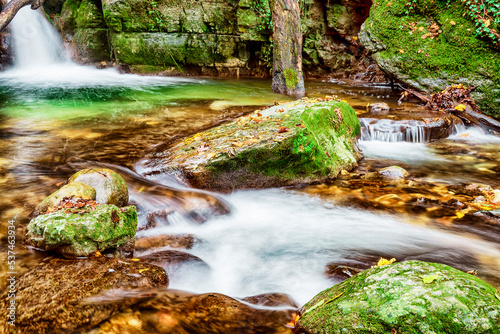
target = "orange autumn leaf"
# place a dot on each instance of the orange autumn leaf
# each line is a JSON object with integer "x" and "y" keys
{"x": 282, "y": 129}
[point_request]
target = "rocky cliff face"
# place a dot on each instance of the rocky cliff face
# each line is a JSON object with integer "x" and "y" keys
{"x": 227, "y": 38}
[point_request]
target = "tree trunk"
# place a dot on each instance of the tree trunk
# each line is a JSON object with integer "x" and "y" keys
{"x": 287, "y": 48}
{"x": 10, "y": 10}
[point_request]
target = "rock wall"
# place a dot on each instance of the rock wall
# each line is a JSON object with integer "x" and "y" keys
{"x": 226, "y": 38}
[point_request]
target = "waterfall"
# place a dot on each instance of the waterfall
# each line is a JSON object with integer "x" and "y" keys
{"x": 36, "y": 43}
{"x": 395, "y": 131}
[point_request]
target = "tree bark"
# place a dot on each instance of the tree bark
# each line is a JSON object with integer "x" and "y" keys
{"x": 287, "y": 48}
{"x": 10, "y": 10}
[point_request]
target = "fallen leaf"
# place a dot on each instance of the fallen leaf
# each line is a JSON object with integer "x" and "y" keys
{"x": 384, "y": 262}
{"x": 282, "y": 129}
{"x": 401, "y": 51}
{"x": 237, "y": 144}
{"x": 453, "y": 22}
{"x": 134, "y": 259}
{"x": 97, "y": 254}
{"x": 460, "y": 214}
{"x": 460, "y": 107}
{"x": 143, "y": 270}
{"x": 429, "y": 278}
{"x": 487, "y": 22}
{"x": 300, "y": 125}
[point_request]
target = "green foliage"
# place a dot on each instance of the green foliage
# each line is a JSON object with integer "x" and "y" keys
{"x": 485, "y": 14}
{"x": 263, "y": 10}
{"x": 155, "y": 15}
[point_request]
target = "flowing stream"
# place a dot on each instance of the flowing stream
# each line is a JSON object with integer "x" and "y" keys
{"x": 56, "y": 116}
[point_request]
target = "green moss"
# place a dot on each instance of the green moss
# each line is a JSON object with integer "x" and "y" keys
{"x": 400, "y": 297}
{"x": 454, "y": 56}
{"x": 69, "y": 13}
{"x": 89, "y": 15}
{"x": 319, "y": 150}
{"x": 80, "y": 232}
{"x": 291, "y": 78}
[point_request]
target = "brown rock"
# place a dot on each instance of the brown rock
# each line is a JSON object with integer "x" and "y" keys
{"x": 185, "y": 241}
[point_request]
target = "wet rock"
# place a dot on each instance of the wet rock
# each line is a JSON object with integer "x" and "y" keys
{"x": 82, "y": 231}
{"x": 272, "y": 300}
{"x": 392, "y": 173}
{"x": 406, "y": 297}
{"x": 75, "y": 189}
{"x": 294, "y": 143}
{"x": 185, "y": 241}
{"x": 485, "y": 223}
{"x": 51, "y": 296}
{"x": 471, "y": 189}
{"x": 380, "y": 108}
{"x": 344, "y": 270}
{"x": 174, "y": 260}
{"x": 110, "y": 186}
{"x": 171, "y": 311}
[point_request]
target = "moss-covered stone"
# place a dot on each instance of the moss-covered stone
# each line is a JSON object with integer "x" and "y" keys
{"x": 299, "y": 142}
{"x": 433, "y": 47}
{"x": 92, "y": 44}
{"x": 76, "y": 189}
{"x": 81, "y": 232}
{"x": 69, "y": 14}
{"x": 110, "y": 187}
{"x": 407, "y": 297}
{"x": 89, "y": 15}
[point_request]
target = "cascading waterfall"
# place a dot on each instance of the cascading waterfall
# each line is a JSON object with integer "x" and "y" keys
{"x": 394, "y": 131}
{"x": 35, "y": 41}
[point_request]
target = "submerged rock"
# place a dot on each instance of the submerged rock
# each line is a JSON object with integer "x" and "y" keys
{"x": 405, "y": 297}
{"x": 174, "y": 241}
{"x": 75, "y": 189}
{"x": 173, "y": 311}
{"x": 299, "y": 142}
{"x": 82, "y": 231}
{"x": 174, "y": 260}
{"x": 392, "y": 173}
{"x": 51, "y": 296}
{"x": 110, "y": 187}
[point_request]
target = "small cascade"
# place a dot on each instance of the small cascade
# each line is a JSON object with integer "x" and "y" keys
{"x": 395, "y": 131}
{"x": 36, "y": 43}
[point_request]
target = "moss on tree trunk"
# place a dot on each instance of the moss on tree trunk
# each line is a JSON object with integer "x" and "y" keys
{"x": 287, "y": 53}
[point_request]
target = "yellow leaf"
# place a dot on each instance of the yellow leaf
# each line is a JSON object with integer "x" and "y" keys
{"x": 142, "y": 189}
{"x": 97, "y": 254}
{"x": 420, "y": 28}
{"x": 487, "y": 22}
{"x": 134, "y": 259}
{"x": 460, "y": 215}
{"x": 460, "y": 107}
{"x": 453, "y": 23}
{"x": 401, "y": 51}
{"x": 430, "y": 278}
{"x": 143, "y": 270}
{"x": 384, "y": 262}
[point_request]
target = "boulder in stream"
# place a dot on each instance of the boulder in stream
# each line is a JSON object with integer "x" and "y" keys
{"x": 298, "y": 142}
{"x": 405, "y": 297}
{"x": 110, "y": 187}
{"x": 51, "y": 296}
{"x": 76, "y": 232}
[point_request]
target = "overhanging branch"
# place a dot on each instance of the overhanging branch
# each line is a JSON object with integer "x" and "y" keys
{"x": 10, "y": 10}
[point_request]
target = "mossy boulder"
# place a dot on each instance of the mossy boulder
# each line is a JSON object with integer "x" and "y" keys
{"x": 81, "y": 231}
{"x": 299, "y": 142}
{"x": 433, "y": 47}
{"x": 75, "y": 189}
{"x": 110, "y": 187}
{"x": 406, "y": 297}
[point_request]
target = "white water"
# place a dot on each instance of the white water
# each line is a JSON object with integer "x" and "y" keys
{"x": 280, "y": 241}
{"x": 394, "y": 131}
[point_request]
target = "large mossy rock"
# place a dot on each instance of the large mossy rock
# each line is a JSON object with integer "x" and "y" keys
{"x": 51, "y": 297}
{"x": 299, "y": 142}
{"x": 110, "y": 187}
{"x": 433, "y": 47}
{"x": 82, "y": 231}
{"x": 405, "y": 297}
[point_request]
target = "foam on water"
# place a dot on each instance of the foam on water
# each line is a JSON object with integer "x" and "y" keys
{"x": 280, "y": 241}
